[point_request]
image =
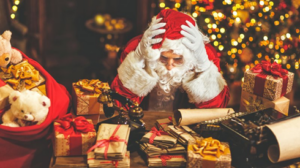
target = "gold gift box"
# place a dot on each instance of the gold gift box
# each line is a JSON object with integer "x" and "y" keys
{"x": 209, "y": 159}
{"x": 22, "y": 76}
{"x": 5, "y": 90}
{"x": 251, "y": 103}
{"x": 62, "y": 145}
{"x": 273, "y": 85}
{"x": 85, "y": 101}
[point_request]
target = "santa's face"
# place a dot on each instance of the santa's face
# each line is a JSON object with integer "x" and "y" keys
{"x": 170, "y": 59}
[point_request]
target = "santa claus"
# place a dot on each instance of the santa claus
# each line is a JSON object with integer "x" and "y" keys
{"x": 172, "y": 57}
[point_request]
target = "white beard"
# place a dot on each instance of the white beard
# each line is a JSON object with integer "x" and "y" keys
{"x": 170, "y": 80}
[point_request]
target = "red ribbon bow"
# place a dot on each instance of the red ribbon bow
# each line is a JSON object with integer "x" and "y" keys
{"x": 164, "y": 158}
{"x": 105, "y": 142}
{"x": 273, "y": 69}
{"x": 69, "y": 125}
{"x": 155, "y": 133}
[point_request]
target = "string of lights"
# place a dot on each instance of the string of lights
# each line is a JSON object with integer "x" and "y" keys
{"x": 244, "y": 32}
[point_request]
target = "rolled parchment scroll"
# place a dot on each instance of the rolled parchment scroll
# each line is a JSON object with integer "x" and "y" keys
{"x": 192, "y": 116}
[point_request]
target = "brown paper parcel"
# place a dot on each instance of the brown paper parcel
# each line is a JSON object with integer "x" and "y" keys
{"x": 288, "y": 140}
{"x": 86, "y": 103}
{"x": 251, "y": 103}
{"x": 192, "y": 116}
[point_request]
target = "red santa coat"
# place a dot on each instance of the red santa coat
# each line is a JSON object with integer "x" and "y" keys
{"x": 209, "y": 85}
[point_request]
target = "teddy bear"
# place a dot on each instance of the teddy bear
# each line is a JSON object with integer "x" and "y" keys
{"x": 27, "y": 108}
{"x": 8, "y": 54}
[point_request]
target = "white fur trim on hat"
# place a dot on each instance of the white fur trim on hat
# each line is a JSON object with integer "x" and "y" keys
{"x": 135, "y": 78}
{"x": 206, "y": 86}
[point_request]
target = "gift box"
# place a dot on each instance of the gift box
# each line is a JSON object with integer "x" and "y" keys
{"x": 208, "y": 153}
{"x": 167, "y": 161}
{"x": 22, "y": 76}
{"x": 111, "y": 142}
{"x": 268, "y": 80}
{"x": 73, "y": 136}
{"x": 85, "y": 96}
{"x": 162, "y": 124}
{"x": 152, "y": 150}
{"x": 183, "y": 134}
{"x": 41, "y": 89}
{"x": 5, "y": 90}
{"x": 159, "y": 138}
{"x": 251, "y": 103}
{"x": 92, "y": 162}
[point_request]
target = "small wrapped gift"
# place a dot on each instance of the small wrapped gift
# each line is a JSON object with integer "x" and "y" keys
{"x": 85, "y": 96}
{"x": 111, "y": 141}
{"x": 159, "y": 138}
{"x": 183, "y": 134}
{"x": 5, "y": 90}
{"x": 152, "y": 150}
{"x": 167, "y": 161}
{"x": 73, "y": 136}
{"x": 22, "y": 76}
{"x": 268, "y": 80}
{"x": 208, "y": 153}
{"x": 40, "y": 89}
{"x": 251, "y": 103}
{"x": 162, "y": 124}
{"x": 92, "y": 162}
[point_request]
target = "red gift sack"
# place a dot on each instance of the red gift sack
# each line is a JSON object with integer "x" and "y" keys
{"x": 30, "y": 146}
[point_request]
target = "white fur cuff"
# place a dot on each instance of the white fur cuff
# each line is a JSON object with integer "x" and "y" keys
{"x": 206, "y": 86}
{"x": 134, "y": 77}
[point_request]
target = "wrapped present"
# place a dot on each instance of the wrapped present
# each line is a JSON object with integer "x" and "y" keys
{"x": 85, "y": 96}
{"x": 208, "y": 153}
{"x": 251, "y": 103}
{"x": 5, "y": 90}
{"x": 183, "y": 134}
{"x": 268, "y": 80}
{"x": 159, "y": 138}
{"x": 92, "y": 162}
{"x": 111, "y": 141}
{"x": 162, "y": 124}
{"x": 152, "y": 150}
{"x": 167, "y": 161}
{"x": 40, "y": 89}
{"x": 22, "y": 76}
{"x": 73, "y": 136}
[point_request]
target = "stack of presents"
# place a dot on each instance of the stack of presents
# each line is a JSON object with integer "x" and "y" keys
{"x": 215, "y": 142}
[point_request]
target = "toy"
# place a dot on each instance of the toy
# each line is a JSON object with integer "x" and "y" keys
{"x": 27, "y": 108}
{"x": 8, "y": 54}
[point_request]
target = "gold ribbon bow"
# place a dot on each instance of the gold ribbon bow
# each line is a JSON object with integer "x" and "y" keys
{"x": 93, "y": 86}
{"x": 210, "y": 149}
{"x": 21, "y": 72}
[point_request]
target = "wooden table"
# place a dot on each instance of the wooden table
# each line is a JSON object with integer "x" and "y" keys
{"x": 135, "y": 159}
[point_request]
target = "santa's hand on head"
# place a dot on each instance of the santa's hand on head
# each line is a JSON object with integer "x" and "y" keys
{"x": 193, "y": 40}
{"x": 145, "y": 45}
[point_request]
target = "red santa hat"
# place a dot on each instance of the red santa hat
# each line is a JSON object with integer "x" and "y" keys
{"x": 171, "y": 39}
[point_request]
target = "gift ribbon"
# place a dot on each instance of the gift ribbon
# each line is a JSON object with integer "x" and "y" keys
{"x": 105, "y": 142}
{"x": 93, "y": 86}
{"x": 266, "y": 68}
{"x": 164, "y": 158}
{"x": 210, "y": 149}
{"x": 2, "y": 83}
{"x": 23, "y": 71}
{"x": 72, "y": 128}
{"x": 155, "y": 133}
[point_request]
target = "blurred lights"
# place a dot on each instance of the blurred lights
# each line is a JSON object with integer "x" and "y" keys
{"x": 17, "y": 2}
{"x": 288, "y": 35}
{"x": 177, "y": 5}
{"x": 195, "y": 15}
{"x": 13, "y": 16}
{"x": 219, "y": 35}
{"x": 14, "y": 8}
{"x": 207, "y": 20}
{"x": 221, "y": 48}
{"x": 222, "y": 30}
{"x": 216, "y": 43}
{"x": 162, "y": 5}
{"x": 265, "y": 38}
{"x": 213, "y": 37}
{"x": 288, "y": 66}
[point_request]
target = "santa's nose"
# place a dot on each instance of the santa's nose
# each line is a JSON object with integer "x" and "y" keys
{"x": 25, "y": 116}
{"x": 169, "y": 65}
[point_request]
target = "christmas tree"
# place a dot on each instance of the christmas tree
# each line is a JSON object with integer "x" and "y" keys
{"x": 244, "y": 32}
